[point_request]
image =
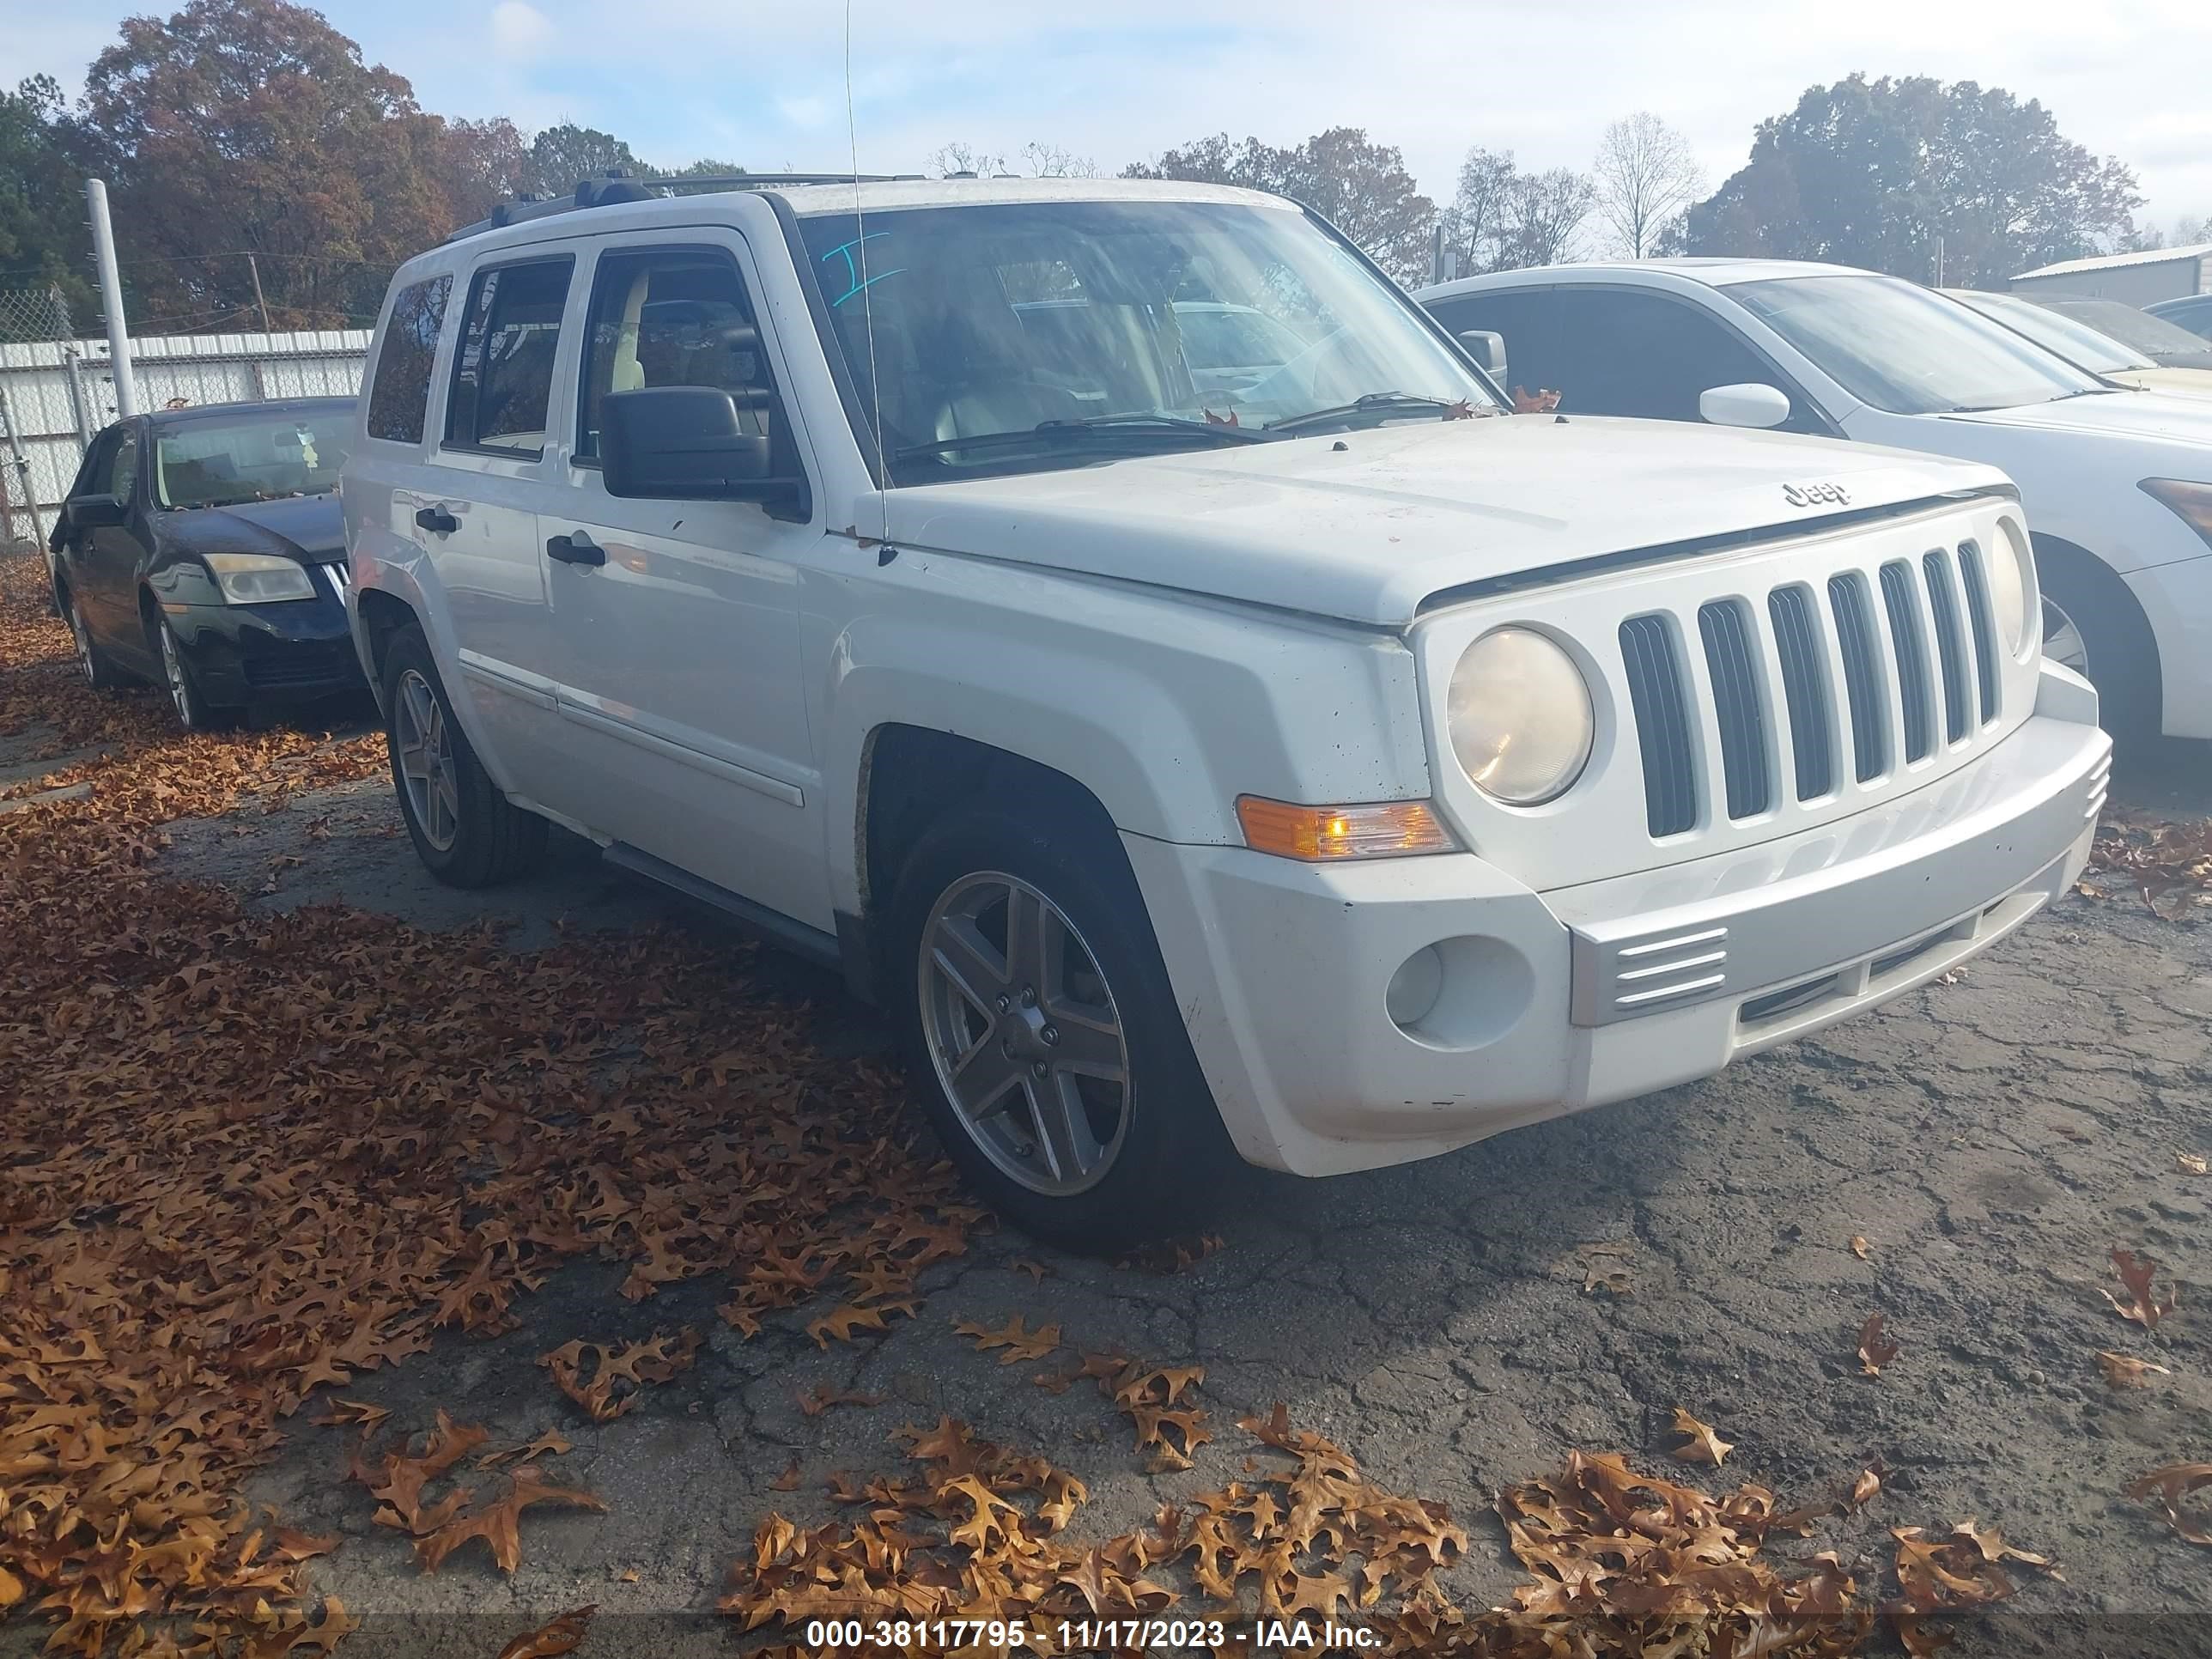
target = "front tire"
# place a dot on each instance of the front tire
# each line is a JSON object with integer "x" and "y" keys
{"x": 2091, "y": 624}
{"x": 1042, "y": 1037}
{"x": 465, "y": 830}
{"x": 194, "y": 712}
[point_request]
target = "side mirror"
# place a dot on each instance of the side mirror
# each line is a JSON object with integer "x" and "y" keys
{"x": 93, "y": 512}
{"x": 685, "y": 443}
{"x": 1750, "y": 404}
{"x": 1488, "y": 349}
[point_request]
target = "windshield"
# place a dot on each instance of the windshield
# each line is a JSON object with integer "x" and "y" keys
{"x": 2077, "y": 343}
{"x": 1899, "y": 347}
{"x": 253, "y": 458}
{"x": 2156, "y": 338}
{"x": 1161, "y": 321}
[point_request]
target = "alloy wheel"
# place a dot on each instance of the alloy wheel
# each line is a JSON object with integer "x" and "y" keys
{"x": 1024, "y": 1033}
{"x": 173, "y": 670}
{"x": 427, "y": 770}
{"x": 83, "y": 638}
{"x": 2062, "y": 641}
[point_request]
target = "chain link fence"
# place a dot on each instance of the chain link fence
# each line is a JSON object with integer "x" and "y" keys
{"x": 57, "y": 390}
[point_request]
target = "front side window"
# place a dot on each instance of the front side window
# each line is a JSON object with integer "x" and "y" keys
{"x": 504, "y": 372}
{"x": 1644, "y": 355}
{"x": 399, "y": 395}
{"x": 252, "y": 458}
{"x": 671, "y": 317}
{"x": 123, "y": 470}
{"x": 1071, "y": 332}
{"x": 1895, "y": 345}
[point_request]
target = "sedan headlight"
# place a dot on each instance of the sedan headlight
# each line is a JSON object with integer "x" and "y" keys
{"x": 2193, "y": 502}
{"x": 258, "y": 578}
{"x": 1520, "y": 717}
{"x": 2010, "y": 584}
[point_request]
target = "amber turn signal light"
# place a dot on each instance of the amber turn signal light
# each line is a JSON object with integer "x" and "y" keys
{"x": 1379, "y": 829}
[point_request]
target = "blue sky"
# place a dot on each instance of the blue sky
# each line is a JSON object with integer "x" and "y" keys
{"x": 765, "y": 84}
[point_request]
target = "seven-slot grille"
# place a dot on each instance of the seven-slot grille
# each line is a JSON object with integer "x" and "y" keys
{"x": 1914, "y": 637}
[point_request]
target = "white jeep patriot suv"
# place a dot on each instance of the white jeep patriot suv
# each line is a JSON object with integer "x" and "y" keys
{"x": 1311, "y": 758}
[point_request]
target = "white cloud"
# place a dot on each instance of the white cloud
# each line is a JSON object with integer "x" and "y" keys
{"x": 519, "y": 29}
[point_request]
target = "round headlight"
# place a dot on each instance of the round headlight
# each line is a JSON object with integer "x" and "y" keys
{"x": 2010, "y": 584}
{"x": 1520, "y": 717}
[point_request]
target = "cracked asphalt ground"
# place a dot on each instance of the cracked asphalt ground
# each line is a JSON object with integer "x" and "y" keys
{"x": 1991, "y": 1139}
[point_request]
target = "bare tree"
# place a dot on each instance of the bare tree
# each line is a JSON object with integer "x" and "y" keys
{"x": 1543, "y": 211}
{"x": 1035, "y": 159}
{"x": 1476, "y": 222}
{"x": 1645, "y": 176}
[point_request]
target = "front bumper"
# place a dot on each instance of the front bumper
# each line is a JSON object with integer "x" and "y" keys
{"x": 1281, "y": 969}
{"x": 288, "y": 652}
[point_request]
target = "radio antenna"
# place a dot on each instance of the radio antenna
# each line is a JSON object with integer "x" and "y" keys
{"x": 867, "y": 296}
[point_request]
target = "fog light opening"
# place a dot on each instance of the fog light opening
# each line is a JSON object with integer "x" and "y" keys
{"x": 1414, "y": 989}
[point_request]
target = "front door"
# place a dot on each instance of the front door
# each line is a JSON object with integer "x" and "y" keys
{"x": 108, "y": 565}
{"x": 678, "y": 620}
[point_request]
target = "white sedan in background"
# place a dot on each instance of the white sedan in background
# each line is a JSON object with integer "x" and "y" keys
{"x": 2187, "y": 370}
{"x": 2117, "y": 483}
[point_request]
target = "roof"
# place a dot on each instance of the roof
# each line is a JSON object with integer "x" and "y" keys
{"x": 2149, "y": 256}
{"x": 192, "y": 412}
{"x": 1712, "y": 272}
{"x": 889, "y": 195}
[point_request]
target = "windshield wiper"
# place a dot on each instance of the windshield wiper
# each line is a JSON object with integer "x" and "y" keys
{"x": 1374, "y": 406}
{"x": 1144, "y": 430}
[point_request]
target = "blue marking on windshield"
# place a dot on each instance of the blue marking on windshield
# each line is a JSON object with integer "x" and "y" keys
{"x": 853, "y": 282}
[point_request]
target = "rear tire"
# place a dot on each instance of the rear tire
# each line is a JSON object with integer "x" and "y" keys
{"x": 2093, "y": 624}
{"x": 465, "y": 830}
{"x": 1011, "y": 1052}
{"x": 99, "y": 674}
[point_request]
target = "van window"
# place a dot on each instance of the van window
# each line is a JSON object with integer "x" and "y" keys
{"x": 671, "y": 316}
{"x": 504, "y": 372}
{"x": 399, "y": 396}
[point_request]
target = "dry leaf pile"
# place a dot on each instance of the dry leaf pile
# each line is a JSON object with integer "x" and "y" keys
{"x": 1618, "y": 1562}
{"x": 2169, "y": 865}
{"x": 257, "y": 1155}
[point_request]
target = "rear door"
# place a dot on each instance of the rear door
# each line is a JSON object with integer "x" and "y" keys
{"x": 678, "y": 620}
{"x": 493, "y": 472}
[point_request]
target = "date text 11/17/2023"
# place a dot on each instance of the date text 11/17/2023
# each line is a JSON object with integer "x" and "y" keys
{"x": 1090, "y": 1635}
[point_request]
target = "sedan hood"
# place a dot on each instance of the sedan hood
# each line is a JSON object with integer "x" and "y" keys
{"x": 2169, "y": 382}
{"x": 306, "y": 527}
{"x": 2117, "y": 413}
{"x": 1366, "y": 526}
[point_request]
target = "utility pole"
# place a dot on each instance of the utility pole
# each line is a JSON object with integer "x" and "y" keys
{"x": 110, "y": 298}
{"x": 264, "y": 304}
{"x": 1939, "y": 261}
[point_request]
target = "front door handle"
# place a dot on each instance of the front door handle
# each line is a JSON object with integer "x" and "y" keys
{"x": 436, "y": 519}
{"x": 575, "y": 548}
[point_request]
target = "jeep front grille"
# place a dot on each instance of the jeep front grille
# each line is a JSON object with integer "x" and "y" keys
{"x": 1922, "y": 664}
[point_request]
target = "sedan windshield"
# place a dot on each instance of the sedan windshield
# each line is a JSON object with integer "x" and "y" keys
{"x": 1895, "y": 345}
{"x": 2077, "y": 343}
{"x": 253, "y": 458}
{"x": 2154, "y": 336}
{"x": 1017, "y": 337}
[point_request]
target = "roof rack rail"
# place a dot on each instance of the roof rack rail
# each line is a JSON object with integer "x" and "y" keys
{"x": 618, "y": 185}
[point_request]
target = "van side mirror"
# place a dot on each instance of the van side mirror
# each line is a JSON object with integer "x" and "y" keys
{"x": 1488, "y": 348}
{"x": 1750, "y": 404}
{"x": 686, "y": 443}
{"x": 93, "y": 512}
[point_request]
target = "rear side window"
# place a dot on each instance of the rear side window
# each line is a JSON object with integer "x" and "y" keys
{"x": 399, "y": 396}
{"x": 673, "y": 316}
{"x": 504, "y": 372}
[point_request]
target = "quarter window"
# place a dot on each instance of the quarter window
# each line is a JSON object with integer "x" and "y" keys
{"x": 123, "y": 475}
{"x": 672, "y": 317}
{"x": 399, "y": 396}
{"x": 504, "y": 372}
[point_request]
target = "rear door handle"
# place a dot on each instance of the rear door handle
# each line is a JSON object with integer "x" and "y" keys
{"x": 575, "y": 548}
{"x": 438, "y": 519}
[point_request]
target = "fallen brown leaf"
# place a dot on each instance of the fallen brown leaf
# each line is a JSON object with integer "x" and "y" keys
{"x": 549, "y": 1640}
{"x": 1859, "y": 1246}
{"x": 1875, "y": 1350}
{"x": 2143, "y": 1305}
{"x": 2125, "y": 1371}
{"x": 1704, "y": 1446}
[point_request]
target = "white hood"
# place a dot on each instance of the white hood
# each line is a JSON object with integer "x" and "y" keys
{"x": 2154, "y": 414}
{"x": 1365, "y": 527}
